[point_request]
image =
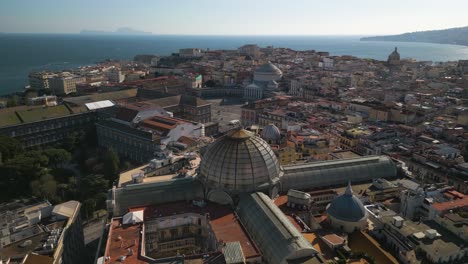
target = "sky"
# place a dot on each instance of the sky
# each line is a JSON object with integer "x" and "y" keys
{"x": 233, "y": 17}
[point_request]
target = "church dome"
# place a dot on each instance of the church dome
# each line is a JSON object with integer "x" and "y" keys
{"x": 347, "y": 207}
{"x": 239, "y": 162}
{"x": 271, "y": 132}
{"x": 267, "y": 72}
{"x": 269, "y": 68}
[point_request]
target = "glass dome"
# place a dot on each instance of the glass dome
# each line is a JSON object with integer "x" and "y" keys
{"x": 239, "y": 162}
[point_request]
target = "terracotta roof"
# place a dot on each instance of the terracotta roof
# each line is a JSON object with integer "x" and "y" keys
{"x": 120, "y": 240}
{"x": 458, "y": 203}
{"x": 281, "y": 203}
{"x": 186, "y": 140}
{"x": 333, "y": 239}
{"x": 162, "y": 123}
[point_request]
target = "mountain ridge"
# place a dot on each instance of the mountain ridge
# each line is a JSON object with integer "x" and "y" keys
{"x": 454, "y": 36}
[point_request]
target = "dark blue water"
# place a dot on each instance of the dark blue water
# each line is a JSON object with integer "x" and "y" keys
{"x": 23, "y": 53}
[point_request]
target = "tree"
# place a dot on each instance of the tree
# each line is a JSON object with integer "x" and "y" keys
{"x": 92, "y": 185}
{"x": 210, "y": 83}
{"x": 13, "y": 101}
{"x": 57, "y": 156}
{"x": 9, "y": 147}
{"x": 111, "y": 165}
{"x": 126, "y": 166}
{"x": 17, "y": 173}
{"x": 89, "y": 206}
{"x": 73, "y": 140}
{"x": 40, "y": 159}
{"x": 93, "y": 189}
{"x": 30, "y": 93}
{"x": 45, "y": 187}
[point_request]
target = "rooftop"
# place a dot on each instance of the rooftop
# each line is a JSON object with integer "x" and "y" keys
{"x": 223, "y": 221}
{"x": 121, "y": 239}
{"x": 162, "y": 123}
{"x": 444, "y": 241}
{"x": 8, "y": 118}
{"x": 34, "y": 228}
{"x": 38, "y": 114}
{"x": 118, "y": 95}
{"x": 454, "y": 204}
{"x": 178, "y": 100}
{"x": 126, "y": 177}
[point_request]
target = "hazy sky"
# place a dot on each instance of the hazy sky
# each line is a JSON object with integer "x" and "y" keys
{"x": 233, "y": 17}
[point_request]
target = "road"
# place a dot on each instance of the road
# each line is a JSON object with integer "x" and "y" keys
{"x": 93, "y": 230}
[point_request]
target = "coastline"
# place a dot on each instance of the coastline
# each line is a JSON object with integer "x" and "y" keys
{"x": 25, "y": 53}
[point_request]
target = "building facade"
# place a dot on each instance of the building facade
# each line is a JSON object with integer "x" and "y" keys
{"x": 65, "y": 84}
{"x": 127, "y": 141}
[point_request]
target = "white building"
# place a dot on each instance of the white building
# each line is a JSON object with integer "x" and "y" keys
{"x": 190, "y": 52}
{"x": 115, "y": 75}
{"x": 326, "y": 63}
{"x": 65, "y": 83}
{"x": 250, "y": 50}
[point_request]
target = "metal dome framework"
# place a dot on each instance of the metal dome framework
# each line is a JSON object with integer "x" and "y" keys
{"x": 271, "y": 132}
{"x": 239, "y": 162}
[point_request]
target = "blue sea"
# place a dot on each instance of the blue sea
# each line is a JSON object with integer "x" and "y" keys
{"x": 24, "y": 53}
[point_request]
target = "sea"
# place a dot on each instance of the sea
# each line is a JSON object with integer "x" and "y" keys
{"x": 21, "y": 54}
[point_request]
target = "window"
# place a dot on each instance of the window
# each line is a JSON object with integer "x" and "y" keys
{"x": 174, "y": 233}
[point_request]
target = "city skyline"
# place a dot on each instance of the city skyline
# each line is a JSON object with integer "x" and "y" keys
{"x": 208, "y": 17}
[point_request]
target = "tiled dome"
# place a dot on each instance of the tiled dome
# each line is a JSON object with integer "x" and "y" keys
{"x": 347, "y": 207}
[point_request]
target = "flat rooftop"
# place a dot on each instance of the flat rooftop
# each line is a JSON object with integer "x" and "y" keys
{"x": 16, "y": 250}
{"x": 126, "y": 177}
{"x": 21, "y": 248}
{"x": 121, "y": 240}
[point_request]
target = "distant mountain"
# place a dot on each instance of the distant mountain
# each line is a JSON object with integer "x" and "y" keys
{"x": 456, "y": 36}
{"x": 119, "y": 31}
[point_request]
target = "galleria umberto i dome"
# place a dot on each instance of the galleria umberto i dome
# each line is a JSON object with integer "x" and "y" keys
{"x": 237, "y": 163}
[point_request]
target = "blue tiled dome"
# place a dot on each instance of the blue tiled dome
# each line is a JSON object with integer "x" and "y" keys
{"x": 347, "y": 207}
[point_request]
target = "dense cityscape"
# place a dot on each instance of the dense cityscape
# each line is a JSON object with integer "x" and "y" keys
{"x": 253, "y": 155}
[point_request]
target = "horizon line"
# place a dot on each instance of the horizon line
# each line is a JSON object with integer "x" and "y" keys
{"x": 190, "y": 35}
